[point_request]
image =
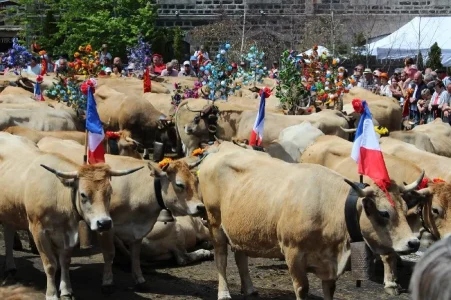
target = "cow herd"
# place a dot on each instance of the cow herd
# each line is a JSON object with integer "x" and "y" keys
{"x": 286, "y": 201}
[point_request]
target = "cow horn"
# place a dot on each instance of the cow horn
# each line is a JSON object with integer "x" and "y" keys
{"x": 196, "y": 163}
{"x": 243, "y": 145}
{"x": 218, "y": 140}
{"x": 413, "y": 185}
{"x": 350, "y": 130}
{"x": 308, "y": 105}
{"x": 130, "y": 140}
{"x": 124, "y": 172}
{"x": 65, "y": 175}
{"x": 361, "y": 193}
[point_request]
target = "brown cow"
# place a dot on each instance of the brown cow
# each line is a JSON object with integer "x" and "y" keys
{"x": 260, "y": 206}
{"x": 51, "y": 206}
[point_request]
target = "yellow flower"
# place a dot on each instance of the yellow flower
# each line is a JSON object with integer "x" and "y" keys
{"x": 197, "y": 173}
{"x": 197, "y": 152}
{"x": 382, "y": 131}
{"x": 164, "y": 162}
{"x": 81, "y": 49}
{"x": 76, "y": 54}
{"x": 68, "y": 91}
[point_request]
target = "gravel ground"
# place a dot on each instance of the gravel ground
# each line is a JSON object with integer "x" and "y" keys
{"x": 168, "y": 281}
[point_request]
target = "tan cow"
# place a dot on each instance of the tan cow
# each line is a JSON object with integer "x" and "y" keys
{"x": 133, "y": 206}
{"x": 51, "y": 206}
{"x": 260, "y": 206}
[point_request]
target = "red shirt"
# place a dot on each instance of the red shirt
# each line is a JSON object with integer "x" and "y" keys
{"x": 159, "y": 69}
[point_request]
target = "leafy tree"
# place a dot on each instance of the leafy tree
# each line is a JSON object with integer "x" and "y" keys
{"x": 435, "y": 57}
{"x": 420, "y": 62}
{"x": 177, "y": 44}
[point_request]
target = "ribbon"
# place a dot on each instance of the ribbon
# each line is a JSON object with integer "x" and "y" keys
{"x": 147, "y": 82}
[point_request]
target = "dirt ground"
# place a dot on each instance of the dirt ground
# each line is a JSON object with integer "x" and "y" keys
{"x": 168, "y": 281}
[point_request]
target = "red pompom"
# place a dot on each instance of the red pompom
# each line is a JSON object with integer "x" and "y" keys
{"x": 113, "y": 135}
{"x": 357, "y": 105}
{"x": 88, "y": 83}
{"x": 267, "y": 92}
{"x": 39, "y": 79}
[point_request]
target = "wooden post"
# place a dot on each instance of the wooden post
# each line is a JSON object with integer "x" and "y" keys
{"x": 84, "y": 232}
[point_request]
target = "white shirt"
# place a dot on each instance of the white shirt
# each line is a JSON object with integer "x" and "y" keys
{"x": 205, "y": 54}
{"x": 34, "y": 70}
{"x": 103, "y": 56}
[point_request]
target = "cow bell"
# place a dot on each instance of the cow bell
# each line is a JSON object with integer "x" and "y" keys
{"x": 212, "y": 128}
{"x": 165, "y": 216}
{"x": 158, "y": 151}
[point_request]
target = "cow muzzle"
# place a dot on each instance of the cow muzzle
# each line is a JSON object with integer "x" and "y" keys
{"x": 409, "y": 246}
{"x": 102, "y": 224}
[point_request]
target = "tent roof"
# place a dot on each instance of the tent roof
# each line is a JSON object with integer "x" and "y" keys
{"x": 419, "y": 34}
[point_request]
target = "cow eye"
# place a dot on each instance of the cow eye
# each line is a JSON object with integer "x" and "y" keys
{"x": 435, "y": 211}
{"x": 384, "y": 214}
{"x": 180, "y": 185}
{"x": 84, "y": 198}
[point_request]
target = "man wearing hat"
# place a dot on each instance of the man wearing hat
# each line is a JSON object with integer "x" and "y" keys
{"x": 105, "y": 56}
{"x": 367, "y": 81}
{"x": 186, "y": 70}
{"x": 194, "y": 64}
{"x": 159, "y": 66}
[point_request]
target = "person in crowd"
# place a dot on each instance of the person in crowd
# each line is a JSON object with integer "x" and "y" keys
{"x": 384, "y": 89}
{"x": 408, "y": 61}
{"x": 158, "y": 64}
{"x": 413, "y": 69}
{"x": 61, "y": 66}
{"x": 108, "y": 71}
{"x": 117, "y": 71}
{"x": 376, "y": 80}
{"x": 117, "y": 61}
{"x": 130, "y": 69}
{"x": 105, "y": 56}
{"x": 395, "y": 90}
{"x": 367, "y": 80}
{"x": 402, "y": 81}
{"x": 427, "y": 71}
{"x": 357, "y": 76}
{"x": 419, "y": 86}
{"x": 34, "y": 67}
{"x": 176, "y": 65}
{"x": 170, "y": 71}
{"x": 428, "y": 78}
{"x": 274, "y": 72}
{"x": 445, "y": 102}
{"x": 435, "y": 106}
{"x": 194, "y": 64}
{"x": 432, "y": 273}
{"x": 423, "y": 106}
{"x": 202, "y": 51}
{"x": 186, "y": 71}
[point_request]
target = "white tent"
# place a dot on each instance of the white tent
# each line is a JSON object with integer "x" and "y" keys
{"x": 417, "y": 35}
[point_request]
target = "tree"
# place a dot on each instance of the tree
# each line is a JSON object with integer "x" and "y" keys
{"x": 420, "y": 62}
{"x": 435, "y": 57}
{"x": 177, "y": 43}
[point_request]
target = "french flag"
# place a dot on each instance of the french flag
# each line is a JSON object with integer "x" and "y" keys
{"x": 38, "y": 96}
{"x": 257, "y": 131}
{"x": 96, "y": 151}
{"x": 366, "y": 150}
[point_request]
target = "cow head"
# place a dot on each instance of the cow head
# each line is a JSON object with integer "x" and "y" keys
{"x": 91, "y": 184}
{"x": 179, "y": 187}
{"x": 437, "y": 209}
{"x": 128, "y": 146}
{"x": 384, "y": 227}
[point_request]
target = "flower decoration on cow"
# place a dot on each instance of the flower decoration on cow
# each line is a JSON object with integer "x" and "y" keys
{"x": 86, "y": 62}
{"x": 68, "y": 91}
{"x": 257, "y": 69}
{"x": 140, "y": 55}
{"x": 18, "y": 57}
{"x": 217, "y": 75}
{"x": 182, "y": 93}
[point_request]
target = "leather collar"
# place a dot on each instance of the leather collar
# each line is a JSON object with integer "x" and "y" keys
{"x": 158, "y": 195}
{"x": 351, "y": 215}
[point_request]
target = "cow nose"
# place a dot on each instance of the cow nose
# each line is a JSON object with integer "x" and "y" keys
{"x": 104, "y": 224}
{"x": 414, "y": 244}
{"x": 201, "y": 208}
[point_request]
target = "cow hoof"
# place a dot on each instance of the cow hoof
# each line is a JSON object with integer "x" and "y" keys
{"x": 108, "y": 289}
{"x": 67, "y": 297}
{"x": 142, "y": 287}
{"x": 392, "y": 291}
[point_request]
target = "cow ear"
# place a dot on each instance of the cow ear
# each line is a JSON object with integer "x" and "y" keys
{"x": 155, "y": 170}
{"x": 369, "y": 206}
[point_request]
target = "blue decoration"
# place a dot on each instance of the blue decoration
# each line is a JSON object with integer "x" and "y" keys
{"x": 140, "y": 55}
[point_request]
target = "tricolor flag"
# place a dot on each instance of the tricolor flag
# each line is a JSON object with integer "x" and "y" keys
{"x": 37, "y": 89}
{"x": 257, "y": 131}
{"x": 96, "y": 151}
{"x": 366, "y": 150}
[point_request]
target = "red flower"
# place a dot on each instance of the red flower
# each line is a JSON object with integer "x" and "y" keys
{"x": 88, "y": 83}
{"x": 438, "y": 180}
{"x": 113, "y": 135}
{"x": 267, "y": 92}
{"x": 358, "y": 106}
{"x": 39, "y": 79}
{"x": 423, "y": 184}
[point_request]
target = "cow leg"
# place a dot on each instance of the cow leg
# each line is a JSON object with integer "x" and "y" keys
{"x": 247, "y": 288}
{"x": 106, "y": 240}
{"x": 135, "y": 253}
{"x": 329, "y": 289}
{"x": 17, "y": 242}
{"x": 31, "y": 243}
{"x": 297, "y": 267}
{"x": 48, "y": 258}
{"x": 65, "y": 256}
{"x": 390, "y": 274}
{"x": 220, "y": 243}
{"x": 10, "y": 265}
{"x": 198, "y": 255}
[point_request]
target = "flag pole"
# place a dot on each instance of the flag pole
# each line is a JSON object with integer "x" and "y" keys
{"x": 85, "y": 156}
{"x": 361, "y": 178}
